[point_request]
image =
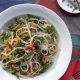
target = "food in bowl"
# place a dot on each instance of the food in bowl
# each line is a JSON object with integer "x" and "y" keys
{"x": 28, "y": 45}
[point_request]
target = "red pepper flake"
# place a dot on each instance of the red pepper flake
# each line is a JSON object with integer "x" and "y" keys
{"x": 29, "y": 47}
{"x": 44, "y": 59}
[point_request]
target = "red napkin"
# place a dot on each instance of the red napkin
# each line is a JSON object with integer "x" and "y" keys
{"x": 72, "y": 69}
{"x": 51, "y": 4}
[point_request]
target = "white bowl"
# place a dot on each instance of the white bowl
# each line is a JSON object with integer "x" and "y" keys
{"x": 62, "y": 57}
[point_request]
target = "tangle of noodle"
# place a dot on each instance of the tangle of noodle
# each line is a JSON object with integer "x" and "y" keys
{"x": 29, "y": 49}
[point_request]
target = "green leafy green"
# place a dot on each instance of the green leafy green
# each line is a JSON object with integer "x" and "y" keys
{"x": 37, "y": 43}
{"x": 4, "y": 35}
{"x": 32, "y": 16}
{"x": 18, "y": 74}
{"x": 48, "y": 27}
{"x": 46, "y": 66}
{"x": 20, "y": 44}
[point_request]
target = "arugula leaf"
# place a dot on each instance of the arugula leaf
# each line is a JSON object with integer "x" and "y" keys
{"x": 48, "y": 27}
{"x": 18, "y": 74}
{"x": 32, "y": 16}
{"x": 46, "y": 66}
{"x": 37, "y": 43}
{"x": 20, "y": 44}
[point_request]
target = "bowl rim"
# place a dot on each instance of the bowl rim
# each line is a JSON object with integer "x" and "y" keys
{"x": 66, "y": 63}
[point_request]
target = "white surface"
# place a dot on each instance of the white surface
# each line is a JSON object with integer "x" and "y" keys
{"x": 65, "y": 43}
{"x": 65, "y": 7}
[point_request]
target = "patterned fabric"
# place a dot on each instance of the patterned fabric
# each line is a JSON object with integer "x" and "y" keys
{"x": 73, "y": 24}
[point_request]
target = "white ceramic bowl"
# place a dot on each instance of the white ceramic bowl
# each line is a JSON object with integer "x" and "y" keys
{"x": 62, "y": 57}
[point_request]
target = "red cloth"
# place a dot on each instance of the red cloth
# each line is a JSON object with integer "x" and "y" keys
{"x": 75, "y": 52}
{"x": 72, "y": 69}
{"x": 51, "y": 4}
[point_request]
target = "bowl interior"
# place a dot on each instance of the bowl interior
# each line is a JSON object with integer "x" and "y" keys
{"x": 55, "y": 57}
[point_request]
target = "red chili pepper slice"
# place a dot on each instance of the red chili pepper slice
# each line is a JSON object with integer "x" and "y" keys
{"x": 29, "y": 47}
